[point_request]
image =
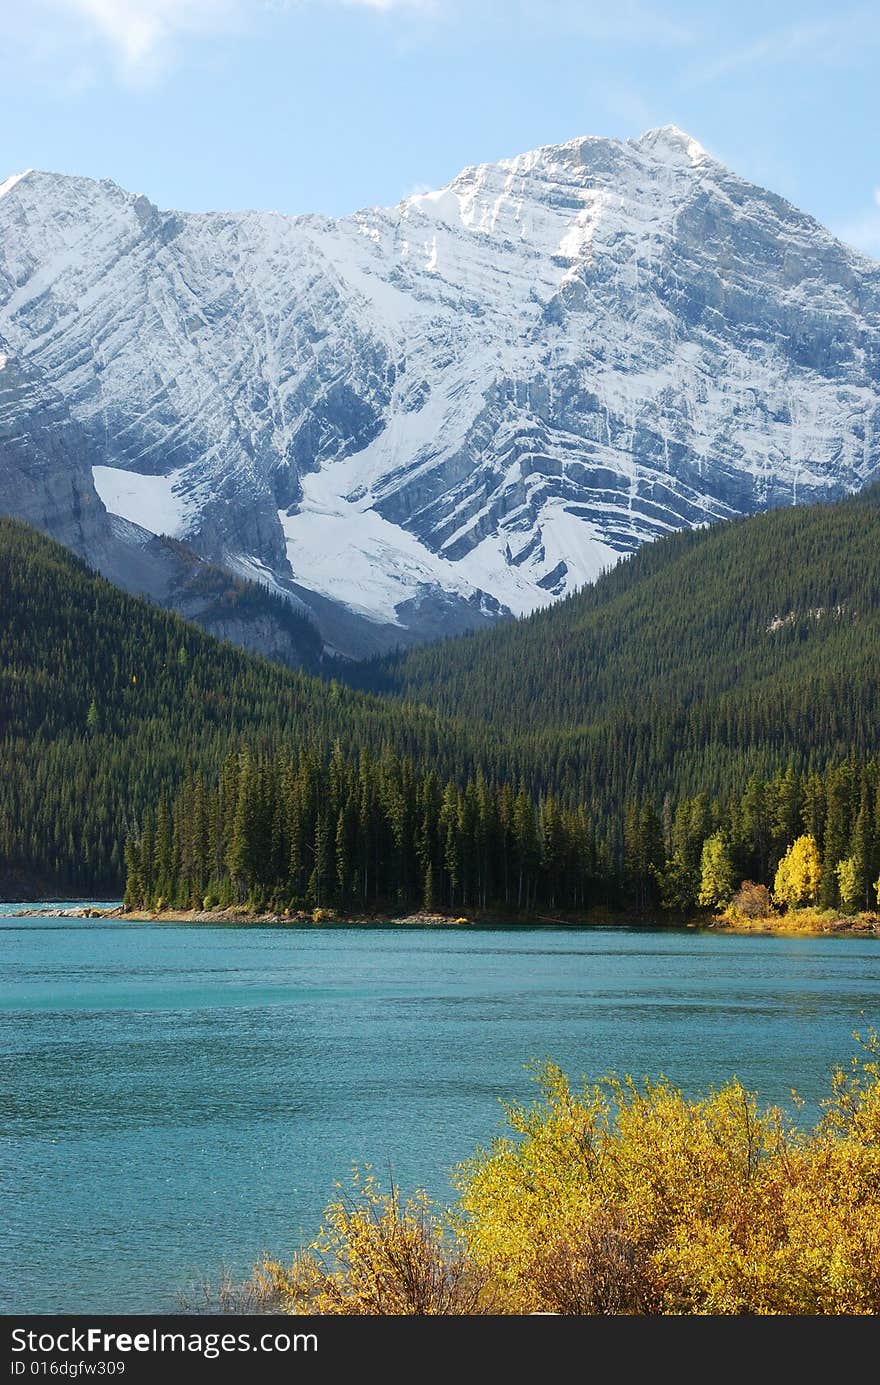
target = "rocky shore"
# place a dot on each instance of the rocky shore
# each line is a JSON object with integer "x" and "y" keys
{"x": 800, "y": 923}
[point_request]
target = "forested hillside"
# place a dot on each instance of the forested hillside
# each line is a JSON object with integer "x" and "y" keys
{"x": 707, "y": 660}
{"x": 706, "y": 656}
{"x": 104, "y": 698}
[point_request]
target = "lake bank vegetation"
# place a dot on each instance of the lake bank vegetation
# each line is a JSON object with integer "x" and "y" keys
{"x": 619, "y": 1198}
{"x": 803, "y": 922}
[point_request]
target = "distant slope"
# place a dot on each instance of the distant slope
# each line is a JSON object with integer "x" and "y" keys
{"x": 245, "y": 613}
{"x": 45, "y": 461}
{"x": 46, "y": 479}
{"x": 759, "y": 637}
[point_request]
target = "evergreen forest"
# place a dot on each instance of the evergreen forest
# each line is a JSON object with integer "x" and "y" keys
{"x": 719, "y": 684}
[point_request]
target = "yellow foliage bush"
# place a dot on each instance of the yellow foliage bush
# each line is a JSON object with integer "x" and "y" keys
{"x": 626, "y": 1199}
{"x": 379, "y": 1255}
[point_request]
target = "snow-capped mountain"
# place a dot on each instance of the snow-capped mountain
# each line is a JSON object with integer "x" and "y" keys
{"x": 428, "y": 415}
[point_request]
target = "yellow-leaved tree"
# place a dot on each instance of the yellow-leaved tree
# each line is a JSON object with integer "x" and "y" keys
{"x": 849, "y": 882}
{"x": 716, "y": 871}
{"x": 799, "y": 873}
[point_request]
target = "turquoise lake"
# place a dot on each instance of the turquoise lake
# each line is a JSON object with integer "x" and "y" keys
{"x": 177, "y": 1099}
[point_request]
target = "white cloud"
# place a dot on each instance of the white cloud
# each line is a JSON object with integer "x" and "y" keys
{"x": 864, "y": 231}
{"x": 141, "y": 34}
{"x": 623, "y": 21}
{"x": 430, "y": 6}
{"x": 392, "y": 4}
{"x": 144, "y": 36}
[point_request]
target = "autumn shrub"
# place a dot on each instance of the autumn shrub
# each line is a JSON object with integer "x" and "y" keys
{"x": 715, "y": 1205}
{"x": 597, "y": 1269}
{"x": 625, "y": 1198}
{"x": 378, "y": 1254}
{"x": 751, "y": 901}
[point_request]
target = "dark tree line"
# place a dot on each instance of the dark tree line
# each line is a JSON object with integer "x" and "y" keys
{"x": 291, "y": 832}
{"x": 311, "y": 831}
{"x": 838, "y": 808}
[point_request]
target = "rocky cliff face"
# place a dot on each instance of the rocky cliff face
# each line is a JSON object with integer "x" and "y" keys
{"x": 418, "y": 418}
{"x": 45, "y": 460}
{"x": 46, "y": 479}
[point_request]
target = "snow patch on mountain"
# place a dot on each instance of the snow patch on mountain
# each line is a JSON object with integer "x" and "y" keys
{"x": 10, "y": 182}
{"x": 348, "y": 552}
{"x": 154, "y": 502}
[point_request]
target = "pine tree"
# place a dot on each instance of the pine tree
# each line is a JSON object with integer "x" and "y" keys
{"x": 849, "y": 883}
{"x": 526, "y": 847}
{"x": 448, "y": 824}
{"x": 346, "y": 846}
{"x": 163, "y": 868}
{"x": 835, "y": 843}
{"x": 241, "y": 852}
{"x": 784, "y": 804}
{"x": 553, "y": 849}
{"x": 860, "y": 859}
{"x": 135, "y": 886}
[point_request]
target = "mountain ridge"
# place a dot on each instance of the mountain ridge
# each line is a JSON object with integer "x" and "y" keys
{"x": 428, "y": 416}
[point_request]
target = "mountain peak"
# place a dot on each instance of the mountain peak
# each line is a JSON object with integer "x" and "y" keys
{"x": 48, "y": 182}
{"x": 666, "y": 145}
{"x": 671, "y": 141}
{"x": 11, "y": 181}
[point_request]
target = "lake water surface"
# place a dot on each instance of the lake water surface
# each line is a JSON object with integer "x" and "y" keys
{"x": 175, "y": 1099}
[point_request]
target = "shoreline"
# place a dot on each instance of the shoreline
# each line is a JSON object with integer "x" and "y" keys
{"x": 811, "y": 923}
{"x": 328, "y": 918}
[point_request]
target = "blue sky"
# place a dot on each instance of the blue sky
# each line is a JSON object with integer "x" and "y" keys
{"x": 329, "y": 105}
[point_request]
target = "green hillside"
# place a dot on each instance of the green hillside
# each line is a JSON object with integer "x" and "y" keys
{"x": 704, "y": 657}
{"x": 707, "y": 662}
{"x": 104, "y": 698}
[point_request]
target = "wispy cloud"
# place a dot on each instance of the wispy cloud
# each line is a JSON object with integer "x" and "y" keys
{"x": 623, "y": 21}
{"x": 863, "y": 231}
{"x": 141, "y": 36}
{"x": 844, "y": 39}
{"x": 144, "y": 38}
{"x": 626, "y": 106}
{"x": 393, "y": 4}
